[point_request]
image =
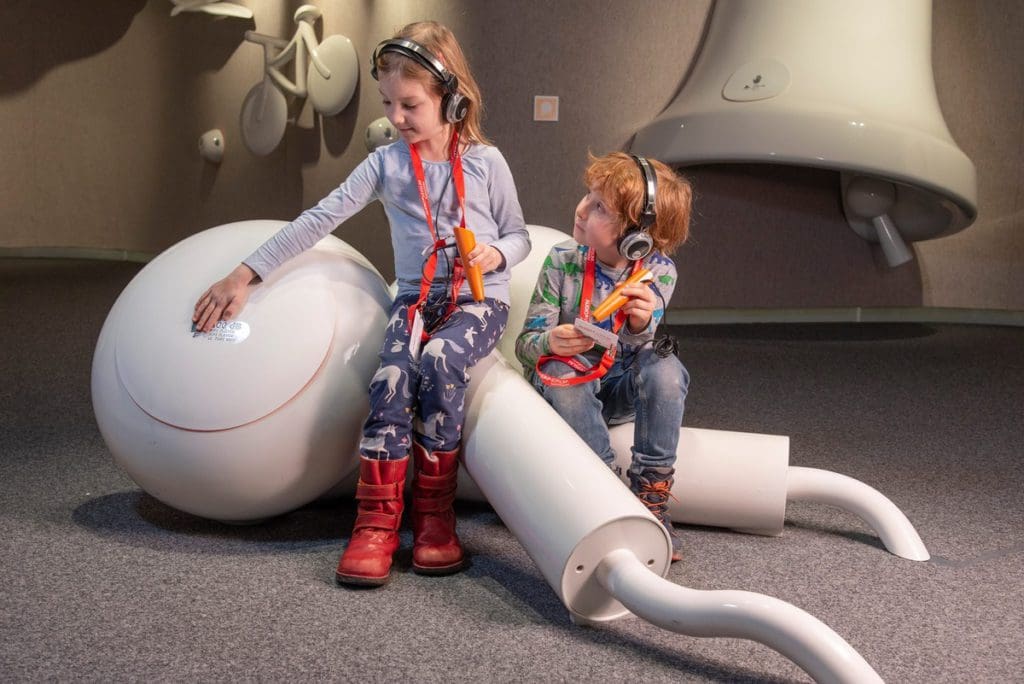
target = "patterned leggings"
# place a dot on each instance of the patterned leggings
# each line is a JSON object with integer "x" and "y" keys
{"x": 427, "y": 397}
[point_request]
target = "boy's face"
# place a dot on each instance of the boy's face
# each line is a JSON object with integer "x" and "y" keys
{"x": 596, "y": 224}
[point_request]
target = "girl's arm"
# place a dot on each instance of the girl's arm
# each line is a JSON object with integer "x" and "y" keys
{"x": 227, "y": 297}
{"x": 513, "y": 241}
{"x": 359, "y": 189}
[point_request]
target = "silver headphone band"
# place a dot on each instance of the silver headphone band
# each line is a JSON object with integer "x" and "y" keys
{"x": 648, "y": 214}
{"x": 420, "y": 55}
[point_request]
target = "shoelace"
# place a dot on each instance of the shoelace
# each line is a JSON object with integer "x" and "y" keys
{"x": 660, "y": 489}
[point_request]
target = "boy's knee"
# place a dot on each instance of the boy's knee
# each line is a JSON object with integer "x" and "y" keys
{"x": 664, "y": 375}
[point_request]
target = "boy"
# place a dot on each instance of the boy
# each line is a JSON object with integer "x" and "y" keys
{"x": 635, "y": 213}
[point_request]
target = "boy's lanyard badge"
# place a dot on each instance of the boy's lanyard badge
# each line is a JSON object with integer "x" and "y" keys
{"x": 415, "y": 320}
{"x": 608, "y": 358}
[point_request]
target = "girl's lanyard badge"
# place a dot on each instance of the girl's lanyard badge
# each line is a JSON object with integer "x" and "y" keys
{"x": 418, "y": 335}
{"x": 608, "y": 358}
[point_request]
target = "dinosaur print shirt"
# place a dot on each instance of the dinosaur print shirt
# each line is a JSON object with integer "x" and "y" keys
{"x": 556, "y": 300}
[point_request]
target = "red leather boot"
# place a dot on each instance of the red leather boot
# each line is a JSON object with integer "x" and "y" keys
{"x": 367, "y": 558}
{"x": 435, "y": 549}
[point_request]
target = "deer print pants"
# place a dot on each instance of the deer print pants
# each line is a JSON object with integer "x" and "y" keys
{"x": 427, "y": 397}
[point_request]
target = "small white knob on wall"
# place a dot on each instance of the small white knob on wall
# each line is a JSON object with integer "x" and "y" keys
{"x": 211, "y": 145}
{"x": 380, "y": 132}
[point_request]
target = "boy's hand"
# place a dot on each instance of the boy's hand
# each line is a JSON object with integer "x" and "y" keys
{"x": 640, "y": 306}
{"x": 486, "y": 257}
{"x": 224, "y": 299}
{"x": 565, "y": 340}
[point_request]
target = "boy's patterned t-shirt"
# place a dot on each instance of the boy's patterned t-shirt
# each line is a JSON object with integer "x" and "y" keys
{"x": 556, "y": 300}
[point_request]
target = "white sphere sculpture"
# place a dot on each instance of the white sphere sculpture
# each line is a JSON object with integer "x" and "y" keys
{"x": 380, "y": 132}
{"x": 263, "y": 414}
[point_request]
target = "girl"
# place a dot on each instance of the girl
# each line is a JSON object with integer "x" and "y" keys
{"x": 635, "y": 213}
{"x": 442, "y": 173}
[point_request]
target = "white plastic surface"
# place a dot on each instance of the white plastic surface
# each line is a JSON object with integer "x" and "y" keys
{"x": 524, "y": 279}
{"x": 264, "y": 117}
{"x": 794, "y": 633}
{"x": 214, "y": 7}
{"x": 707, "y": 489}
{"x": 826, "y": 487}
{"x": 331, "y": 94}
{"x": 195, "y": 381}
{"x": 551, "y": 491}
{"x": 860, "y": 97}
{"x": 380, "y": 132}
{"x": 211, "y": 145}
{"x": 303, "y": 435}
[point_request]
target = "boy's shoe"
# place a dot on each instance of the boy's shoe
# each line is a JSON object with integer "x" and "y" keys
{"x": 653, "y": 486}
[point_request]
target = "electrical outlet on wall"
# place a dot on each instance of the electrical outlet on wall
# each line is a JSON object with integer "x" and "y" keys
{"x": 545, "y": 108}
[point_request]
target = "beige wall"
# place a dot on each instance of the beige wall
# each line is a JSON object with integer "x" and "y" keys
{"x": 101, "y": 104}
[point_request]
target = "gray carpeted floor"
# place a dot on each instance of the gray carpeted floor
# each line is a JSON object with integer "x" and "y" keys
{"x": 103, "y": 582}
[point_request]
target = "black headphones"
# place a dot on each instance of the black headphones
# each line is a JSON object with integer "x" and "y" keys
{"x": 454, "y": 104}
{"x": 636, "y": 242}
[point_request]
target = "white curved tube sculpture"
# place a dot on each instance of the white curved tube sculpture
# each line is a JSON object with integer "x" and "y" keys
{"x": 824, "y": 486}
{"x": 794, "y": 633}
{"x": 605, "y": 560}
{"x": 708, "y": 492}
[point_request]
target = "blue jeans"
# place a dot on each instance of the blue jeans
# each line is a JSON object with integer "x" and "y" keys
{"x": 644, "y": 387}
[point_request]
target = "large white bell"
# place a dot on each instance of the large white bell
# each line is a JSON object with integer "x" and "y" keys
{"x": 827, "y": 84}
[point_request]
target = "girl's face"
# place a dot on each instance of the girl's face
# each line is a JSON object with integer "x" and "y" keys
{"x": 596, "y": 225}
{"x": 411, "y": 108}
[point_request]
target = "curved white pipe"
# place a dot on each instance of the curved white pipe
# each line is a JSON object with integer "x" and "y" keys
{"x": 794, "y": 633}
{"x": 600, "y": 549}
{"x": 888, "y": 521}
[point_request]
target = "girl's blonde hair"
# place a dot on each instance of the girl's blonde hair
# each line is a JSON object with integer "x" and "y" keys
{"x": 619, "y": 179}
{"x": 441, "y": 42}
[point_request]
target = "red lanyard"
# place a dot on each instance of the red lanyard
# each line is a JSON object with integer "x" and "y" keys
{"x": 431, "y": 265}
{"x": 608, "y": 358}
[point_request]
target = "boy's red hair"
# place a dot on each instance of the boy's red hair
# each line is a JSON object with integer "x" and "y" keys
{"x": 619, "y": 179}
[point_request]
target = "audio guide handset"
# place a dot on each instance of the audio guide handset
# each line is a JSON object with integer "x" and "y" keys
{"x": 466, "y": 241}
{"x": 615, "y": 301}
{"x": 612, "y": 303}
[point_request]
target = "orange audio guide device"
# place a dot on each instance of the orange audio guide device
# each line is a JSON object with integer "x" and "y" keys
{"x": 466, "y": 241}
{"x": 614, "y": 301}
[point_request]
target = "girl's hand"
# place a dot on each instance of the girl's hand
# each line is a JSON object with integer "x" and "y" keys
{"x": 224, "y": 299}
{"x": 486, "y": 257}
{"x": 640, "y": 306}
{"x": 565, "y": 340}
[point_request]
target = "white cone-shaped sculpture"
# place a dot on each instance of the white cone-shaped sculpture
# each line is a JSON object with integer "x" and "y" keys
{"x": 842, "y": 86}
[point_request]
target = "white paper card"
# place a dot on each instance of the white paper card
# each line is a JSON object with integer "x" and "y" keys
{"x": 604, "y": 338}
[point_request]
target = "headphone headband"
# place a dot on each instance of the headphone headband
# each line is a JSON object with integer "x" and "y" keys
{"x": 648, "y": 214}
{"x": 636, "y": 243}
{"x": 420, "y": 55}
{"x": 454, "y": 105}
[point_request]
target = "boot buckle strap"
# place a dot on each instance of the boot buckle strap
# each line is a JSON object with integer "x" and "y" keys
{"x": 438, "y": 505}
{"x": 378, "y": 492}
{"x": 436, "y": 482}
{"x": 380, "y": 521}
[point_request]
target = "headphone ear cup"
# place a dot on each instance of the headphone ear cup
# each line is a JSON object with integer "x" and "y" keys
{"x": 636, "y": 244}
{"x": 454, "y": 106}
